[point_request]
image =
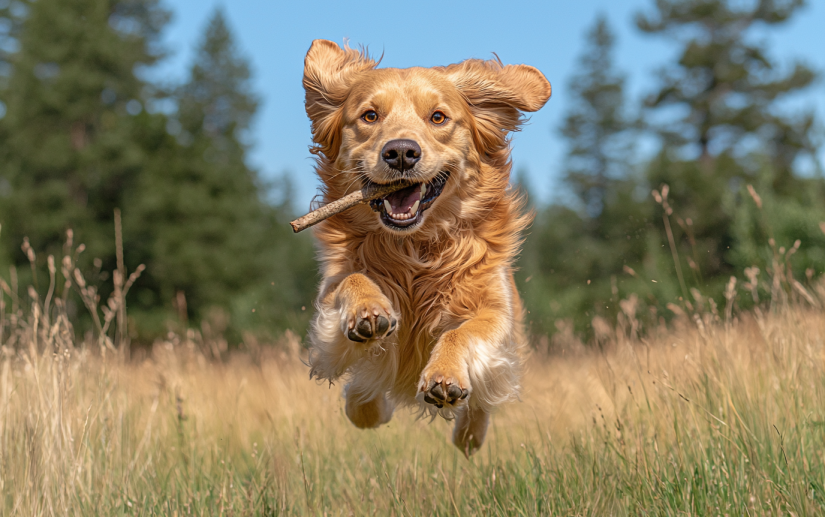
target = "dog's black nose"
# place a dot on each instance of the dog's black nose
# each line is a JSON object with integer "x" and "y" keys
{"x": 401, "y": 155}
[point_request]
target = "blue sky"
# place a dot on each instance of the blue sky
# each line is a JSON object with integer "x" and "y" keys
{"x": 275, "y": 35}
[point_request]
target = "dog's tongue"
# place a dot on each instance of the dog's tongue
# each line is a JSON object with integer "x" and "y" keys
{"x": 402, "y": 200}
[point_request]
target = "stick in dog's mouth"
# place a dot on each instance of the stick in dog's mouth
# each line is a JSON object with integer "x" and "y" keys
{"x": 404, "y": 208}
{"x": 401, "y": 203}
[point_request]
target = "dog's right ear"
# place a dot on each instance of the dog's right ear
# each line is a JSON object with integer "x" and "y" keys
{"x": 328, "y": 74}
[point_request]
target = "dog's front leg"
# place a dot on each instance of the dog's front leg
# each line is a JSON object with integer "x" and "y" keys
{"x": 472, "y": 369}
{"x": 352, "y": 315}
{"x": 445, "y": 381}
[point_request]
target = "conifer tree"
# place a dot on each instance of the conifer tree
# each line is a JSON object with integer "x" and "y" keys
{"x": 198, "y": 215}
{"x": 716, "y": 107}
{"x": 725, "y": 83}
{"x": 11, "y": 17}
{"x": 217, "y": 103}
{"x": 574, "y": 257}
{"x": 596, "y": 125}
{"x": 71, "y": 101}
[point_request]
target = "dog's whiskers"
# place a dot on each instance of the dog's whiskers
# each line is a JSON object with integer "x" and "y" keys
{"x": 358, "y": 177}
{"x": 358, "y": 169}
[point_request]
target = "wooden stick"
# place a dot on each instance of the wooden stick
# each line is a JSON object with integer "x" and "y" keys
{"x": 359, "y": 197}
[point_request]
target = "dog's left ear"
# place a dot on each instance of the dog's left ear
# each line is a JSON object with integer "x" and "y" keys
{"x": 497, "y": 95}
{"x": 328, "y": 74}
{"x": 529, "y": 88}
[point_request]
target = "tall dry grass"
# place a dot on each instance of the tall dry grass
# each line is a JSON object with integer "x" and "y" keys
{"x": 715, "y": 414}
{"x": 705, "y": 419}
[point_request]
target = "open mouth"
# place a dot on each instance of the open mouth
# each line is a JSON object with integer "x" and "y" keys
{"x": 405, "y": 208}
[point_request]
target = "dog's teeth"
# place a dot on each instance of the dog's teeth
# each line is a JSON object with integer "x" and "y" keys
{"x": 423, "y": 190}
{"x": 387, "y": 207}
{"x": 414, "y": 209}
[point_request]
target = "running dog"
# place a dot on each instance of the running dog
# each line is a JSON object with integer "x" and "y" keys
{"x": 417, "y": 305}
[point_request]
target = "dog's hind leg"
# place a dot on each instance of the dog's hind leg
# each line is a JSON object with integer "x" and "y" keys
{"x": 470, "y": 429}
{"x": 368, "y": 414}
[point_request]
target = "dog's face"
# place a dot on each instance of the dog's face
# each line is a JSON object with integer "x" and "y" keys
{"x": 437, "y": 127}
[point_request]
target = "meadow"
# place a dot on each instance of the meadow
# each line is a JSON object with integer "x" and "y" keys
{"x": 698, "y": 395}
{"x": 713, "y": 414}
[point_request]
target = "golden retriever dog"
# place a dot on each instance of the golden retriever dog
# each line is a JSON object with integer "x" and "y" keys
{"x": 417, "y": 305}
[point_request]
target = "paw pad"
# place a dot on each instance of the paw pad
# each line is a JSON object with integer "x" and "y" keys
{"x": 440, "y": 392}
{"x": 371, "y": 326}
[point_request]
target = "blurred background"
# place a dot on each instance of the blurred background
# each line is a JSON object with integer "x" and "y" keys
{"x": 682, "y": 146}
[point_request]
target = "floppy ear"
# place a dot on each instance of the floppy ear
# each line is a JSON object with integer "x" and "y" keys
{"x": 496, "y": 95}
{"x": 328, "y": 73}
{"x": 529, "y": 86}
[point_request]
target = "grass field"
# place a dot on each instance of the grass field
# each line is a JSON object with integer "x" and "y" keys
{"x": 706, "y": 418}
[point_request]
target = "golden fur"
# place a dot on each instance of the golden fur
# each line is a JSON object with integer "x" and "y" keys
{"x": 448, "y": 282}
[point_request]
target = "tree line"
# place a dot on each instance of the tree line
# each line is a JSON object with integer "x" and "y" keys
{"x": 87, "y": 129}
{"x": 722, "y": 192}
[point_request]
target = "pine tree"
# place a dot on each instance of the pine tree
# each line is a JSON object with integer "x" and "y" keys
{"x": 725, "y": 82}
{"x": 575, "y": 258}
{"x": 217, "y": 103}
{"x": 78, "y": 141}
{"x": 72, "y": 100}
{"x": 596, "y": 126}
{"x": 719, "y": 124}
{"x": 11, "y": 17}
{"x": 10, "y": 22}
{"x": 198, "y": 216}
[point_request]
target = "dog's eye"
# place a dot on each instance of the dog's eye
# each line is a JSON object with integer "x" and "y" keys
{"x": 370, "y": 116}
{"x": 438, "y": 118}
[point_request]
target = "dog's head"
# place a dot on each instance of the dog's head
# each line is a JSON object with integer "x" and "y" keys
{"x": 443, "y": 128}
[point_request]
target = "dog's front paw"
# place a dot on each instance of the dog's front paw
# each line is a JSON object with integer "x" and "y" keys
{"x": 373, "y": 318}
{"x": 443, "y": 386}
